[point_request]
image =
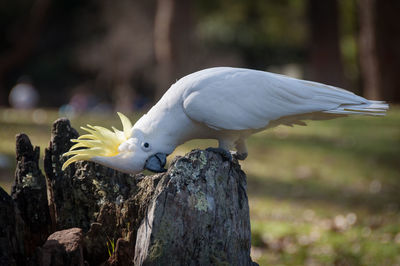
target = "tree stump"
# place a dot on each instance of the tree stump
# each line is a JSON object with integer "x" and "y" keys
{"x": 198, "y": 215}
{"x": 194, "y": 214}
{"x": 29, "y": 193}
{"x": 11, "y": 244}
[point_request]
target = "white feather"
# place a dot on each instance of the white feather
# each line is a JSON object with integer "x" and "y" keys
{"x": 240, "y": 99}
{"x": 227, "y": 104}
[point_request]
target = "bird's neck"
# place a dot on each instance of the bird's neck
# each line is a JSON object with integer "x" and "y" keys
{"x": 168, "y": 125}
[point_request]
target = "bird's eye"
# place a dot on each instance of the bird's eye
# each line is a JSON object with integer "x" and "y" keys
{"x": 146, "y": 146}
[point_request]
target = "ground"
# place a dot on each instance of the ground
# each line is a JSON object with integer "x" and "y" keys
{"x": 325, "y": 194}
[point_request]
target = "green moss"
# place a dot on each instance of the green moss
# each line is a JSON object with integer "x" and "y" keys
{"x": 201, "y": 204}
{"x": 156, "y": 250}
{"x": 202, "y": 159}
{"x": 30, "y": 181}
{"x": 219, "y": 259}
{"x": 198, "y": 201}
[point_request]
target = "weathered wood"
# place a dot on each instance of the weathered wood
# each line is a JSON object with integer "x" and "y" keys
{"x": 194, "y": 214}
{"x": 103, "y": 202}
{"x": 199, "y": 215}
{"x": 29, "y": 193}
{"x": 79, "y": 192}
{"x": 11, "y": 245}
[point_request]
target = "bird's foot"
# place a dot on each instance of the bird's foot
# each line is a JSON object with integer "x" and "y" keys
{"x": 226, "y": 155}
{"x": 239, "y": 156}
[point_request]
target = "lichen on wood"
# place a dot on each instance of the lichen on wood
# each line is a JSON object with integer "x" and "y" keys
{"x": 199, "y": 213}
{"x": 30, "y": 195}
{"x": 194, "y": 214}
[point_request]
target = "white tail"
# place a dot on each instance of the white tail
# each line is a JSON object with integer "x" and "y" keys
{"x": 374, "y": 108}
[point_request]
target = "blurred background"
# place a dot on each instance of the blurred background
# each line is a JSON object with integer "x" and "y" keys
{"x": 326, "y": 194}
{"x": 103, "y": 54}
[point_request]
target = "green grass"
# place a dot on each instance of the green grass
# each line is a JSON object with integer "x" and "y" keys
{"x": 325, "y": 194}
{"x": 110, "y": 246}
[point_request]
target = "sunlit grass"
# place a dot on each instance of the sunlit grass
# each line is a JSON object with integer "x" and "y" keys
{"x": 325, "y": 194}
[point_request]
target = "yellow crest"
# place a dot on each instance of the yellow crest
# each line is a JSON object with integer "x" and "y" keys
{"x": 99, "y": 142}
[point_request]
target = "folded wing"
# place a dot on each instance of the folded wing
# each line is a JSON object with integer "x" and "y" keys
{"x": 240, "y": 99}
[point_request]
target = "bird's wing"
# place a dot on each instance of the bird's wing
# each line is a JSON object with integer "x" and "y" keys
{"x": 239, "y": 99}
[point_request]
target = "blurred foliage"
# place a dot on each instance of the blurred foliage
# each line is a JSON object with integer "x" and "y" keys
{"x": 325, "y": 194}
{"x": 52, "y": 63}
{"x": 86, "y": 45}
{"x": 264, "y": 32}
{"x": 348, "y": 44}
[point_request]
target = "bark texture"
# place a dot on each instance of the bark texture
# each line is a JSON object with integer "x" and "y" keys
{"x": 199, "y": 212}
{"x": 194, "y": 214}
{"x": 325, "y": 58}
{"x": 30, "y": 195}
{"x": 11, "y": 246}
{"x": 379, "y": 43}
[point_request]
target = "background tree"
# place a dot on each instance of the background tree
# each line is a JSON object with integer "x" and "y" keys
{"x": 128, "y": 50}
{"x": 120, "y": 53}
{"x": 379, "y": 48}
{"x": 325, "y": 55}
{"x": 173, "y": 42}
{"x": 21, "y": 34}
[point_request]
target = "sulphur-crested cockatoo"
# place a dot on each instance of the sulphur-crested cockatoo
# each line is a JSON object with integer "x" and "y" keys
{"x": 223, "y": 103}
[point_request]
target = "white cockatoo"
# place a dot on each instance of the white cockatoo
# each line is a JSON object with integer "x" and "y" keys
{"x": 223, "y": 103}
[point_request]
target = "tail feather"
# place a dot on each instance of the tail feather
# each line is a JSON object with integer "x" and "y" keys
{"x": 373, "y": 108}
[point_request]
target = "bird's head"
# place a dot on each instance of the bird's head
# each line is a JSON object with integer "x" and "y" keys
{"x": 128, "y": 151}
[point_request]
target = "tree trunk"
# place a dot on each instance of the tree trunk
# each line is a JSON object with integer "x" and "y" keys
{"x": 24, "y": 44}
{"x": 325, "y": 57}
{"x": 379, "y": 49}
{"x": 163, "y": 45}
{"x": 388, "y": 43}
{"x": 194, "y": 214}
{"x": 368, "y": 52}
{"x": 173, "y": 42}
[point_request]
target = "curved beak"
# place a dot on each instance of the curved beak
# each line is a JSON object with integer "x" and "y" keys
{"x": 156, "y": 163}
